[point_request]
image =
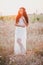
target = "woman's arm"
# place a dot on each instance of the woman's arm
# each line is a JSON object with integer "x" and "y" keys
{"x": 26, "y": 24}
{"x": 19, "y": 25}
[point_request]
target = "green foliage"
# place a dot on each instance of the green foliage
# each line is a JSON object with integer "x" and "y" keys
{"x": 38, "y": 18}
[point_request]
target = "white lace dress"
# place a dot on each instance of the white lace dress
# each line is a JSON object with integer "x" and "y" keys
{"x": 21, "y": 35}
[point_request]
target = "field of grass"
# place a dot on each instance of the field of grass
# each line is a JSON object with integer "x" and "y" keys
{"x": 34, "y": 53}
{"x": 36, "y": 17}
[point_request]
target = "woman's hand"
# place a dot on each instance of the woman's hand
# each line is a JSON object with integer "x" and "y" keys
{"x": 19, "y": 25}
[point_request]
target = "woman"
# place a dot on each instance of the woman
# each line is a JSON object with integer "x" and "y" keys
{"x": 20, "y": 31}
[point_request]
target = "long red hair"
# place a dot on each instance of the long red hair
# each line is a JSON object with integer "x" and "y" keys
{"x": 24, "y": 14}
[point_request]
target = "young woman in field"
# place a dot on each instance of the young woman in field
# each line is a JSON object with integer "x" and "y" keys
{"x": 20, "y": 31}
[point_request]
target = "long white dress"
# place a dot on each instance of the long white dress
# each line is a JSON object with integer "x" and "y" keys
{"x": 20, "y": 35}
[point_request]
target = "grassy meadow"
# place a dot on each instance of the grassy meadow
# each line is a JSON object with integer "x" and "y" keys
{"x": 34, "y": 53}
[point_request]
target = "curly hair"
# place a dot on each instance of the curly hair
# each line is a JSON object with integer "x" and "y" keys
{"x": 24, "y": 14}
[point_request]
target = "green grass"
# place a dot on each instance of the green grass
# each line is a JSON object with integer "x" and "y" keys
{"x": 35, "y": 17}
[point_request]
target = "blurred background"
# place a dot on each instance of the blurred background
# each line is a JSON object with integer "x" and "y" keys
{"x": 8, "y": 12}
